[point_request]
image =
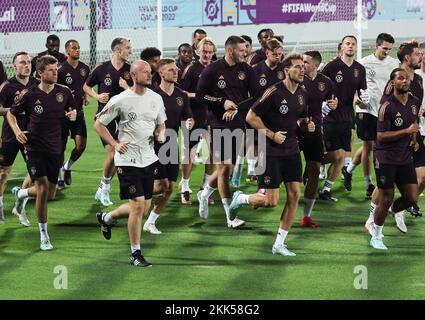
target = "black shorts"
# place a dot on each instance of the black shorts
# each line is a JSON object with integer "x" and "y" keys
{"x": 337, "y": 136}
{"x": 226, "y": 145}
{"x": 74, "y": 128}
{"x": 389, "y": 174}
{"x": 312, "y": 146}
{"x": 9, "y": 151}
{"x": 278, "y": 169}
{"x": 366, "y": 126}
{"x": 419, "y": 156}
{"x": 42, "y": 164}
{"x": 136, "y": 182}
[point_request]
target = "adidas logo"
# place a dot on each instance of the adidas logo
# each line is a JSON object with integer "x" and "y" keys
{"x": 68, "y": 74}
{"x": 339, "y": 72}
{"x": 38, "y": 102}
{"x": 398, "y": 114}
{"x": 283, "y": 101}
{"x": 263, "y": 76}
{"x": 221, "y": 77}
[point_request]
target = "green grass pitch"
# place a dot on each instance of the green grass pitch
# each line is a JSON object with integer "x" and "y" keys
{"x": 197, "y": 259}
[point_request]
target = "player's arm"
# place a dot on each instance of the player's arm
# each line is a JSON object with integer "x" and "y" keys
{"x": 188, "y": 114}
{"x": 255, "y": 121}
{"x": 102, "y": 98}
{"x": 70, "y": 110}
{"x": 187, "y": 81}
{"x": 17, "y": 108}
{"x": 3, "y": 99}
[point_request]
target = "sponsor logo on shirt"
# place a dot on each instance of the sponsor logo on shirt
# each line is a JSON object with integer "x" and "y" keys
{"x": 263, "y": 82}
{"x": 68, "y": 80}
{"x": 38, "y": 109}
{"x": 221, "y": 84}
{"x": 398, "y": 122}
{"x": 132, "y": 116}
{"x": 108, "y": 80}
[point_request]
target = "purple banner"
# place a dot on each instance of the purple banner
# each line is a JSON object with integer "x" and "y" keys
{"x": 24, "y": 15}
{"x": 299, "y": 11}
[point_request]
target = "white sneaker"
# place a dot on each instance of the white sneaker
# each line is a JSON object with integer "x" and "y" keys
{"x": 203, "y": 206}
{"x": 235, "y": 223}
{"x": 378, "y": 244}
{"x": 151, "y": 228}
{"x": 283, "y": 250}
{"x": 22, "y": 217}
{"x": 45, "y": 245}
{"x": 399, "y": 220}
{"x": 369, "y": 225}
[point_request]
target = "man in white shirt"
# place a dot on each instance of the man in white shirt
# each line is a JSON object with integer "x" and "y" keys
{"x": 142, "y": 119}
{"x": 378, "y": 69}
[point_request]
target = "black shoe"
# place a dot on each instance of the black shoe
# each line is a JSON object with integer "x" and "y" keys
{"x": 138, "y": 260}
{"x": 67, "y": 177}
{"x": 105, "y": 228}
{"x": 60, "y": 185}
{"x": 347, "y": 179}
{"x": 327, "y": 196}
{"x": 369, "y": 191}
{"x": 415, "y": 211}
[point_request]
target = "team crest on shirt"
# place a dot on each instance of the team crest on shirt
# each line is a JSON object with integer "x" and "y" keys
{"x": 414, "y": 110}
{"x": 398, "y": 122}
{"x": 263, "y": 82}
{"x": 59, "y": 97}
{"x": 83, "y": 72}
{"x": 267, "y": 180}
{"x": 321, "y": 86}
{"x": 356, "y": 73}
{"x": 119, "y": 170}
{"x": 241, "y": 75}
{"x": 339, "y": 78}
{"x": 280, "y": 75}
{"x": 301, "y": 99}
{"x": 16, "y": 98}
{"x": 132, "y": 189}
{"x": 108, "y": 80}
{"x": 126, "y": 75}
{"x": 33, "y": 170}
{"x": 132, "y": 116}
{"x": 179, "y": 101}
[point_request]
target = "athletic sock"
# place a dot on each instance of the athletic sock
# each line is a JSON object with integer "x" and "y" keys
{"x": 280, "y": 238}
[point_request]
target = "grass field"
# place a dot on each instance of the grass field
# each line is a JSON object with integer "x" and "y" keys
{"x": 198, "y": 259}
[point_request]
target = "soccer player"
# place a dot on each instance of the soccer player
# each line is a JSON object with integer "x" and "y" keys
{"x": 321, "y": 95}
{"x": 378, "y": 69}
{"x": 134, "y": 153}
{"x": 198, "y": 35}
{"x": 277, "y": 113}
{"x": 3, "y": 75}
{"x": 111, "y": 77}
{"x": 259, "y": 55}
{"x": 189, "y": 83}
{"x": 73, "y": 73}
{"x": 45, "y": 106}
{"x": 222, "y": 85}
{"x": 52, "y": 45}
{"x": 9, "y": 91}
{"x": 268, "y": 72}
{"x": 349, "y": 77}
{"x": 396, "y": 137}
{"x": 184, "y": 59}
{"x": 177, "y": 108}
{"x": 152, "y": 56}
{"x": 248, "y": 45}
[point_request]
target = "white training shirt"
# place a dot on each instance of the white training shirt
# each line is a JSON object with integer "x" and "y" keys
{"x": 139, "y": 115}
{"x": 377, "y": 75}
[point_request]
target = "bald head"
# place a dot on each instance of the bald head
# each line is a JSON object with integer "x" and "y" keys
{"x": 140, "y": 72}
